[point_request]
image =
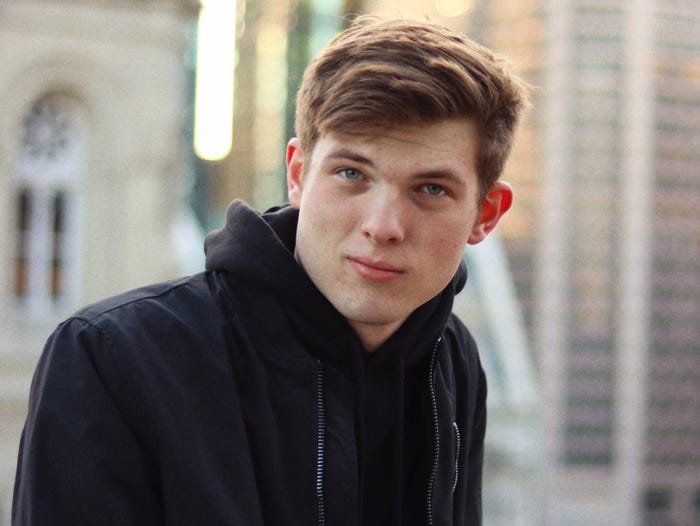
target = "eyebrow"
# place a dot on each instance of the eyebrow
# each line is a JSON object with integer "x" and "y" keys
{"x": 350, "y": 155}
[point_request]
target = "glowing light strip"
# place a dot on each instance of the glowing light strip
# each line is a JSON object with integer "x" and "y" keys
{"x": 216, "y": 51}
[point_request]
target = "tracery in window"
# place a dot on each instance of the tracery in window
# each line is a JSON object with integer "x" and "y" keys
{"x": 48, "y": 130}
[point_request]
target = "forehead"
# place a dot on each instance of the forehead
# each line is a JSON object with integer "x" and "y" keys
{"x": 445, "y": 141}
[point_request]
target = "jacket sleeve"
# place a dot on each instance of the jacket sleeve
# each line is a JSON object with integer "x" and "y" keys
{"x": 79, "y": 463}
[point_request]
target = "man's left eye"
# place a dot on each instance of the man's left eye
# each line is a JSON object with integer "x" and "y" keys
{"x": 433, "y": 189}
{"x": 351, "y": 174}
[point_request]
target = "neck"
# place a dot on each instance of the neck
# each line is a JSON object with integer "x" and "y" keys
{"x": 371, "y": 335}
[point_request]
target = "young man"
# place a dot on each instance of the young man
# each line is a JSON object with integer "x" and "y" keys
{"x": 314, "y": 374}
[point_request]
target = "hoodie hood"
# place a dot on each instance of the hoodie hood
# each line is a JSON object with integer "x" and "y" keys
{"x": 259, "y": 250}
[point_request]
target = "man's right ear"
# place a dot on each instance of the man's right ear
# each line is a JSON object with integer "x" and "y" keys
{"x": 295, "y": 170}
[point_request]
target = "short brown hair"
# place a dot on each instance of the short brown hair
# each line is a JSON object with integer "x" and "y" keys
{"x": 391, "y": 72}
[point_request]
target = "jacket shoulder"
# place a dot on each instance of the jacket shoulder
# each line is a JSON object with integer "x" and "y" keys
{"x": 162, "y": 321}
{"x": 157, "y": 297}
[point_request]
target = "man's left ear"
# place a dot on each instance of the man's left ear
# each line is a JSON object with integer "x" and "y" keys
{"x": 496, "y": 203}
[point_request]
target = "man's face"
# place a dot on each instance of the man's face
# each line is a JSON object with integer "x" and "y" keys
{"x": 384, "y": 217}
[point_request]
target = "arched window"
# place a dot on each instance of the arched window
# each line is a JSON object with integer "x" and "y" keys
{"x": 48, "y": 169}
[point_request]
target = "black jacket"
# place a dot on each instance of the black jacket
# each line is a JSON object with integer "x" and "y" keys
{"x": 240, "y": 396}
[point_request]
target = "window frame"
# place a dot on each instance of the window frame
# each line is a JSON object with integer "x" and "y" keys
{"x": 48, "y": 171}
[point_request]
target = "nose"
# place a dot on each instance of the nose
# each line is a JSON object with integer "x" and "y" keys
{"x": 385, "y": 218}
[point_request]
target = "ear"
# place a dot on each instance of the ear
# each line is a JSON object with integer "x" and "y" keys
{"x": 295, "y": 170}
{"x": 496, "y": 203}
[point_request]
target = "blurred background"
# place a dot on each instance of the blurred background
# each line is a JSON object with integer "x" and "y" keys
{"x": 127, "y": 126}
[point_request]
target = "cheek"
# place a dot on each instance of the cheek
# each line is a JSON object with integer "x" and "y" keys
{"x": 315, "y": 225}
{"x": 449, "y": 260}
{"x": 446, "y": 251}
{"x": 329, "y": 214}
{"x": 452, "y": 239}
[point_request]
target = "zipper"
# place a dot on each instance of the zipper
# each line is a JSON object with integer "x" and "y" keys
{"x": 320, "y": 445}
{"x": 436, "y": 433}
{"x": 459, "y": 445}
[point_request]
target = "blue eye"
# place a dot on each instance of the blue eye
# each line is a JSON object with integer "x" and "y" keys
{"x": 350, "y": 174}
{"x": 433, "y": 189}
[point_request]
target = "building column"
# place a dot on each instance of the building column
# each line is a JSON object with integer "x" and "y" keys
{"x": 551, "y": 282}
{"x": 634, "y": 256}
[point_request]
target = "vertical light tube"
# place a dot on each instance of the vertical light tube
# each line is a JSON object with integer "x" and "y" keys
{"x": 216, "y": 52}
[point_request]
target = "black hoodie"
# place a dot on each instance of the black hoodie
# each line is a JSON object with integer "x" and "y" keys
{"x": 241, "y": 396}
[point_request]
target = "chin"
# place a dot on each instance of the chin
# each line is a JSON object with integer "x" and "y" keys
{"x": 367, "y": 317}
